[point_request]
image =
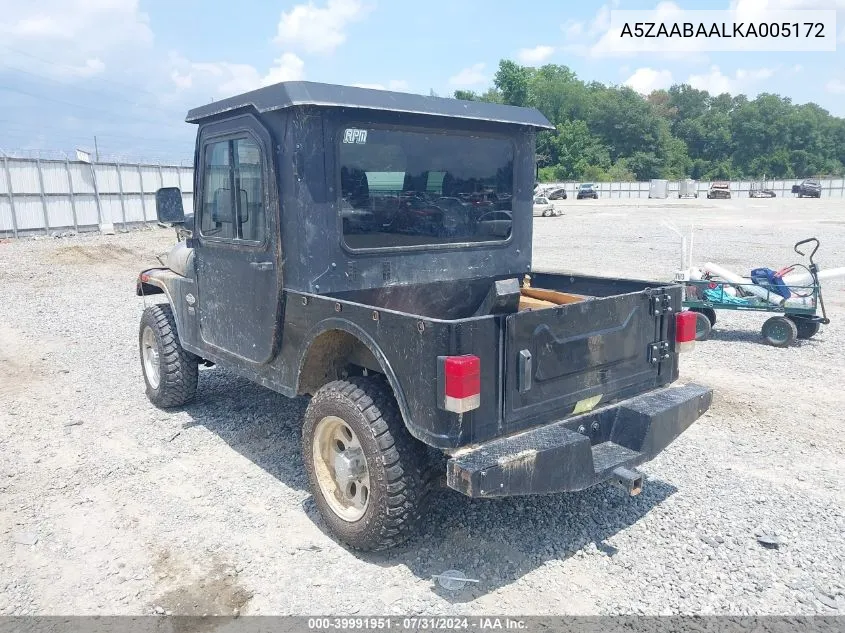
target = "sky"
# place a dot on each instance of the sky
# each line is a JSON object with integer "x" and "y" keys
{"x": 127, "y": 71}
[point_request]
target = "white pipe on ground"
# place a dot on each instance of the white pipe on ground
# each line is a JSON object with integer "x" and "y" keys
{"x": 744, "y": 283}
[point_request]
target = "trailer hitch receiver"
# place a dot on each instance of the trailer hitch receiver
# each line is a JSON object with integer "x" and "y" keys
{"x": 631, "y": 481}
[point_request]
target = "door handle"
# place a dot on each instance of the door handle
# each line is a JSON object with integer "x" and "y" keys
{"x": 261, "y": 265}
{"x": 525, "y": 373}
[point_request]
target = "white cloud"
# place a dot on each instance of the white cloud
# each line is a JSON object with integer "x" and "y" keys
{"x": 396, "y": 85}
{"x": 471, "y": 76}
{"x": 73, "y": 36}
{"x": 536, "y": 55}
{"x": 91, "y": 67}
{"x": 225, "y": 79}
{"x": 715, "y": 82}
{"x": 315, "y": 29}
{"x": 572, "y": 28}
{"x": 835, "y": 86}
{"x": 758, "y": 74}
{"x": 611, "y": 42}
{"x": 646, "y": 80}
{"x": 601, "y": 22}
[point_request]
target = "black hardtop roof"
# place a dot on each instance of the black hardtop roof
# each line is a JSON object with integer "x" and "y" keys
{"x": 301, "y": 93}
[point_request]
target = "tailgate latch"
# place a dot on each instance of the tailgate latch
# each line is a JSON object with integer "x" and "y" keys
{"x": 660, "y": 303}
{"x": 658, "y": 352}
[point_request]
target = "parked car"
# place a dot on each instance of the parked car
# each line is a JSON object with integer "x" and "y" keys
{"x": 557, "y": 194}
{"x": 587, "y": 190}
{"x": 420, "y": 369}
{"x": 759, "y": 190}
{"x": 543, "y": 207}
{"x": 719, "y": 189}
{"x": 495, "y": 224}
{"x": 809, "y": 188}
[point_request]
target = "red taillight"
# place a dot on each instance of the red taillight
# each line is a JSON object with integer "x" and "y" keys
{"x": 459, "y": 381}
{"x": 685, "y": 330}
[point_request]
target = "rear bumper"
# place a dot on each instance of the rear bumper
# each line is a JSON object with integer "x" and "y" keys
{"x": 578, "y": 452}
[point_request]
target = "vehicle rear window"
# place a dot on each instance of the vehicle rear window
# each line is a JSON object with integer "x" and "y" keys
{"x": 401, "y": 188}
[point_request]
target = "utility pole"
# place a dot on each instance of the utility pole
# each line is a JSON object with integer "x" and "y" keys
{"x": 96, "y": 151}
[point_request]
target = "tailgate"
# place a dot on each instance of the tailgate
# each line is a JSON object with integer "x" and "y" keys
{"x": 601, "y": 349}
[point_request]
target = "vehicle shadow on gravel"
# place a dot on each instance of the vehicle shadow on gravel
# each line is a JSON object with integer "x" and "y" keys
{"x": 748, "y": 336}
{"x": 498, "y": 541}
{"x": 495, "y": 541}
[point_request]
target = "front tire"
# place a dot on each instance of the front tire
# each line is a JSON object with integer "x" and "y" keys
{"x": 780, "y": 332}
{"x": 368, "y": 475}
{"x": 170, "y": 372}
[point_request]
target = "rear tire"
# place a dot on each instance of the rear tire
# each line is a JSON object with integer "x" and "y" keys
{"x": 806, "y": 329}
{"x": 702, "y": 327}
{"x": 397, "y": 465}
{"x": 170, "y": 372}
{"x": 780, "y": 332}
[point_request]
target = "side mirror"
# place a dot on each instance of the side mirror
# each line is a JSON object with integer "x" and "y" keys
{"x": 169, "y": 206}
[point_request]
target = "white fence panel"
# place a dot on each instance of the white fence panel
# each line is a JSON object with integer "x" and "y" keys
{"x": 186, "y": 178}
{"x": 60, "y": 212}
{"x": 54, "y": 175}
{"x": 6, "y": 223}
{"x": 24, "y": 176}
{"x": 134, "y": 209}
{"x": 82, "y": 178}
{"x": 151, "y": 178}
{"x": 170, "y": 177}
{"x": 131, "y": 179}
{"x": 150, "y": 206}
{"x": 29, "y": 212}
{"x": 107, "y": 178}
{"x": 86, "y": 211}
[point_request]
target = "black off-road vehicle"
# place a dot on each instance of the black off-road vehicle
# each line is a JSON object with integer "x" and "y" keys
{"x": 337, "y": 250}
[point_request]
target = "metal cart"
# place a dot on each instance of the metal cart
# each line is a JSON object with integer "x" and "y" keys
{"x": 798, "y": 314}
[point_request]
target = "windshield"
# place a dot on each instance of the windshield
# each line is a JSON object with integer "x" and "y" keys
{"x": 416, "y": 188}
{"x": 588, "y": 185}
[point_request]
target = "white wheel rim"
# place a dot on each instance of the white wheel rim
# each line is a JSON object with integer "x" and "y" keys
{"x": 150, "y": 356}
{"x": 341, "y": 468}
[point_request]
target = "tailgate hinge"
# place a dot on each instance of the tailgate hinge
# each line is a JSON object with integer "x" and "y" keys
{"x": 660, "y": 303}
{"x": 658, "y": 352}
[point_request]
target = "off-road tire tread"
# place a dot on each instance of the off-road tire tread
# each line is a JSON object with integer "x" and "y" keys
{"x": 180, "y": 371}
{"x": 409, "y": 474}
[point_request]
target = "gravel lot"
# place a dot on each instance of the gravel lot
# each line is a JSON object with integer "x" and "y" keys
{"x": 110, "y": 506}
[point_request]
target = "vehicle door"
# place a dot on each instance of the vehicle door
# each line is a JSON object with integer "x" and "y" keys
{"x": 236, "y": 256}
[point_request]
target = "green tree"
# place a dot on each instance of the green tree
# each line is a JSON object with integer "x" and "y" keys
{"x": 613, "y": 132}
{"x": 512, "y": 81}
{"x": 466, "y": 95}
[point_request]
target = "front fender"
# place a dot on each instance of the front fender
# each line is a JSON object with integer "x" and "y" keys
{"x": 180, "y": 293}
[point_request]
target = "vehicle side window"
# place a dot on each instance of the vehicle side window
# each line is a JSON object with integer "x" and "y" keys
{"x": 218, "y": 218}
{"x": 231, "y": 166}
